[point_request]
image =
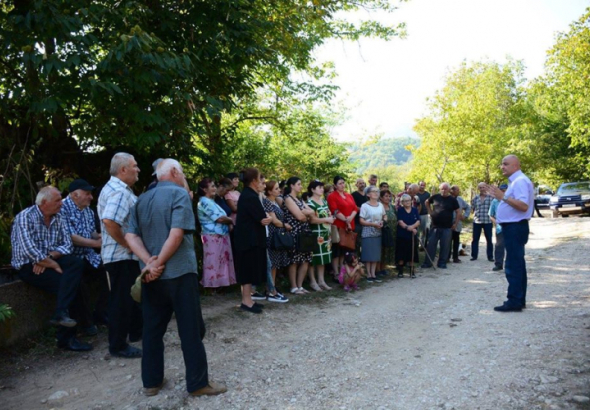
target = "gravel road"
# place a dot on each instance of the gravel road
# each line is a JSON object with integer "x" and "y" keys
{"x": 429, "y": 343}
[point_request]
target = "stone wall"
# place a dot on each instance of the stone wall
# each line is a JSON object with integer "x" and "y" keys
{"x": 33, "y": 309}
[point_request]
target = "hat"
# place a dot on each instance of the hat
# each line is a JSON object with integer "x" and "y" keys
{"x": 80, "y": 184}
{"x": 155, "y": 165}
{"x": 503, "y": 186}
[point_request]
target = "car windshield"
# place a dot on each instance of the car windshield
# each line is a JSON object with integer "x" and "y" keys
{"x": 574, "y": 188}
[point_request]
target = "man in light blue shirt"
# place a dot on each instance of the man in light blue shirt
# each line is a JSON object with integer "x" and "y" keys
{"x": 513, "y": 213}
{"x": 499, "y": 248}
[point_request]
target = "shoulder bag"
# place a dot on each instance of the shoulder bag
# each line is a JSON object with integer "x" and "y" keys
{"x": 347, "y": 239}
{"x": 306, "y": 241}
{"x": 281, "y": 240}
{"x": 387, "y": 240}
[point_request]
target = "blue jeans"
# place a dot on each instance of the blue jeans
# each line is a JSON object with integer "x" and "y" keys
{"x": 487, "y": 231}
{"x": 516, "y": 235}
{"x": 444, "y": 236}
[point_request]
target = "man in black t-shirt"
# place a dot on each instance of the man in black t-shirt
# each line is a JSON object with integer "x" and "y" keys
{"x": 441, "y": 207}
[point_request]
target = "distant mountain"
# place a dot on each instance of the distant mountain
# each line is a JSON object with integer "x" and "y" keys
{"x": 381, "y": 153}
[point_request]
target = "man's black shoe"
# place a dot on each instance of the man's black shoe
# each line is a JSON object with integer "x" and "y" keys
{"x": 75, "y": 345}
{"x": 473, "y": 259}
{"x": 442, "y": 266}
{"x": 496, "y": 268}
{"x": 457, "y": 260}
{"x": 251, "y": 309}
{"x": 508, "y": 308}
{"x": 135, "y": 338}
{"x": 490, "y": 259}
{"x": 65, "y": 321}
{"x": 90, "y": 331}
{"x": 259, "y": 305}
{"x": 129, "y": 352}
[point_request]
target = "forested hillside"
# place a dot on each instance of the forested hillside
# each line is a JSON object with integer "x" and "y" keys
{"x": 381, "y": 153}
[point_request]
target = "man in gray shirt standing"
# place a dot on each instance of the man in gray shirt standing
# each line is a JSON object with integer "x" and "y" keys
{"x": 161, "y": 228}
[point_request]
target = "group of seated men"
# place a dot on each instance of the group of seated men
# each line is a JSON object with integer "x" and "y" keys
{"x": 54, "y": 247}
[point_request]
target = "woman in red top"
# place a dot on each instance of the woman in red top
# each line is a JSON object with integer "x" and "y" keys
{"x": 344, "y": 208}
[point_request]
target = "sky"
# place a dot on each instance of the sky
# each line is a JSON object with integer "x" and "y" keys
{"x": 384, "y": 85}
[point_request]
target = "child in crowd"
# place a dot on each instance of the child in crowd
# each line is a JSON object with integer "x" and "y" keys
{"x": 351, "y": 272}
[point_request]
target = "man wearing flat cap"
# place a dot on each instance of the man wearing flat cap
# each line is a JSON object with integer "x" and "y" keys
{"x": 81, "y": 225}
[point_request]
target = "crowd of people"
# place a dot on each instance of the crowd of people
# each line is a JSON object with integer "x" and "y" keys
{"x": 249, "y": 237}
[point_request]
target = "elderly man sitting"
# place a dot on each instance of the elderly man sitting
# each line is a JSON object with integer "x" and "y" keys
{"x": 81, "y": 225}
{"x": 41, "y": 252}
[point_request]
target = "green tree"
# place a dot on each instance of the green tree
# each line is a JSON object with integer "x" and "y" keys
{"x": 474, "y": 121}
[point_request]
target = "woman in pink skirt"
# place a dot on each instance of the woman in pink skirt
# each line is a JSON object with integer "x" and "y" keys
{"x": 218, "y": 261}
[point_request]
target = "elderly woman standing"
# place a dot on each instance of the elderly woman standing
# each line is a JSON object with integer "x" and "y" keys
{"x": 344, "y": 209}
{"x": 296, "y": 214}
{"x": 250, "y": 239}
{"x": 321, "y": 225}
{"x": 232, "y": 196}
{"x": 406, "y": 248}
{"x": 218, "y": 262}
{"x": 388, "y": 252}
{"x": 372, "y": 216}
{"x": 223, "y": 187}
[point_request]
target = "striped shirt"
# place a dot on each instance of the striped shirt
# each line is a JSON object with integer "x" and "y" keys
{"x": 115, "y": 201}
{"x": 80, "y": 222}
{"x": 481, "y": 209}
{"x": 32, "y": 240}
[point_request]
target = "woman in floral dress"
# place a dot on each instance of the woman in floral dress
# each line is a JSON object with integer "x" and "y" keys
{"x": 321, "y": 223}
{"x": 296, "y": 214}
{"x": 218, "y": 262}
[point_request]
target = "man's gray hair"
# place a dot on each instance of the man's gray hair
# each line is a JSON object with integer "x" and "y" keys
{"x": 414, "y": 186}
{"x": 45, "y": 194}
{"x": 166, "y": 166}
{"x": 120, "y": 159}
{"x": 443, "y": 184}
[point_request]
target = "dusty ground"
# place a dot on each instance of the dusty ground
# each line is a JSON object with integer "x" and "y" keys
{"x": 429, "y": 343}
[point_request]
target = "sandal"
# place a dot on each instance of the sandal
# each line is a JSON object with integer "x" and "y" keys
{"x": 315, "y": 287}
{"x": 302, "y": 289}
{"x": 325, "y": 286}
{"x": 297, "y": 291}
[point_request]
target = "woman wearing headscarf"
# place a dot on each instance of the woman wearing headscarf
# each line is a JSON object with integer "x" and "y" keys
{"x": 250, "y": 239}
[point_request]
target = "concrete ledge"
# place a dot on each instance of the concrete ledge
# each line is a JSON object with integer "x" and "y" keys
{"x": 33, "y": 309}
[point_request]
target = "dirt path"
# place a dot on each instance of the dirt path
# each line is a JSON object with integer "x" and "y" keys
{"x": 429, "y": 343}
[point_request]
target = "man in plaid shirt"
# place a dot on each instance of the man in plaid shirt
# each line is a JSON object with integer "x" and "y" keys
{"x": 81, "y": 226}
{"x": 41, "y": 253}
{"x": 481, "y": 221}
{"x": 114, "y": 204}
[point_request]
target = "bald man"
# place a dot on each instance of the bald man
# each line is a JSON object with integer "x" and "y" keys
{"x": 513, "y": 214}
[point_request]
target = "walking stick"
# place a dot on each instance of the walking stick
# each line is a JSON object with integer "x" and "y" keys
{"x": 427, "y": 255}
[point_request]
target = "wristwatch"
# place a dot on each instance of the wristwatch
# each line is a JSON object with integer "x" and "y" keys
{"x": 505, "y": 198}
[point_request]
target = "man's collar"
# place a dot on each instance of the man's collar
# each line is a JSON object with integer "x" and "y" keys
{"x": 515, "y": 175}
{"x": 120, "y": 182}
{"x": 69, "y": 201}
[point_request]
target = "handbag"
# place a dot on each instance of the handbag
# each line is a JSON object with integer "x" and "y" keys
{"x": 387, "y": 239}
{"x": 281, "y": 240}
{"x": 306, "y": 241}
{"x": 347, "y": 239}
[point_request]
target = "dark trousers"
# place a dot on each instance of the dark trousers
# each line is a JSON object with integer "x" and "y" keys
{"x": 124, "y": 313}
{"x": 444, "y": 236}
{"x": 160, "y": 299}
{"x": 487, "y": 231}
{"x": 539, "y": 214}
{"x": 93, "y": 276}
{"x": 499, "y": 250}
{"x": 516, "y": 235}
{"x": 455, "y": 242}
{"x": 65, "y": 286}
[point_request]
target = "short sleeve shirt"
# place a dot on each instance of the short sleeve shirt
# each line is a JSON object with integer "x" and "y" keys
{"x": 159, "y": 210}
{"x": 209, "y": 212}
{"x": 114, "y": 203}
{"x": 373, "y": 214}
{"x": 442, "y": 210}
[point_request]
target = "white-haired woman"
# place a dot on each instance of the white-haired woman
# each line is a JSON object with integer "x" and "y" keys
{"x": 406, "y": 248}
